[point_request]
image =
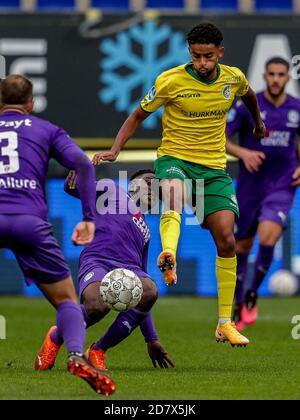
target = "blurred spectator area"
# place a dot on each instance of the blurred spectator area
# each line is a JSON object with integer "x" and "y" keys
{"x": 241, "y": 6}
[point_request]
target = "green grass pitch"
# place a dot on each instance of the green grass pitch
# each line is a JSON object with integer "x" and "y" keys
{"x": 268, "y": 369}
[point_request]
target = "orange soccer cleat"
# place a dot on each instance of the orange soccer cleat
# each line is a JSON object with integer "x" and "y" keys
{"x": 47, "y": 355}
{"x": 167, "y": 265}
{"x": 228, "y": 332}
{"x": 97, "y": 379}
{"x": 96, "y": 358}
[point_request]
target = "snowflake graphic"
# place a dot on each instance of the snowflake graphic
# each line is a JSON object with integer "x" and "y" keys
{"x": 142, "y": 69}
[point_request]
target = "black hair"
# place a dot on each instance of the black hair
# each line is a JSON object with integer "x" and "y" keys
{"x": 277, "y": 60}
{"x": 142, "y": 172}
{"x": 205, "y": 33}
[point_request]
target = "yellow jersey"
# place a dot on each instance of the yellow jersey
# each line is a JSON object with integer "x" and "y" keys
{"x": 195, "y": 112}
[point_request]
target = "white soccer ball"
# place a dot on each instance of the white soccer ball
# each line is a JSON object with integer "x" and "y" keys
{"x": 283, "y": 283}
{"x": 121, "y": 290}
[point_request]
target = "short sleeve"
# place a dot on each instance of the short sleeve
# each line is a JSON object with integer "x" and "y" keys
{"x": 244, "y": 84}
{"x": 157, "y": 96}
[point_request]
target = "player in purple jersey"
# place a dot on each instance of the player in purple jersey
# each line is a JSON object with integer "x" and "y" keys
{"x": 121, "y": 241}
{"x": 27, "y": 143}
{"x": 269, "y": 174}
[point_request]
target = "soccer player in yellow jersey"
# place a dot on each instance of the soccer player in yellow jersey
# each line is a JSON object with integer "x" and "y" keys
{"x": 196, "y": 98}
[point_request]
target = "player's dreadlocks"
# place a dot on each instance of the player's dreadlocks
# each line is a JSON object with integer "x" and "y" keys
{"x": 205, "y": 33}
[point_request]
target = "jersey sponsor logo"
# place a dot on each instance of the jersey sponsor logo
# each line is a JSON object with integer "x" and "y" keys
{"x": 88, "y": 277}
{"x": 18, "y": 184}
{"x": 227, "y": 92}
{"x": 16, "y": 124}
{"x": 140, "y": 222}
{"x": 277, "y": 139}
{"x": 188, "y": 95}
{"x": 206, "y": 114}
{"x": 233, "y": 79}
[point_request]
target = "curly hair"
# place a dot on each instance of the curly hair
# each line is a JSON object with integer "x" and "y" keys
{"x": 205, "y": 33}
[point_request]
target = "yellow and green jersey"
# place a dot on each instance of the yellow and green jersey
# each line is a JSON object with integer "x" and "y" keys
{"x": 195, "y": 112}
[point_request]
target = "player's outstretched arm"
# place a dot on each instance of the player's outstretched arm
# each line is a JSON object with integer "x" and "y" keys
{"x": 127, "y": 130}
{"x": 252, "y": 159}
{"x": 251, "y": 102}
{"x": 156, "y": 351}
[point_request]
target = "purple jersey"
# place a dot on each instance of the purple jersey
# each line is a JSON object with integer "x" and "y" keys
{"x": 280, "y": 147}
{"x": 27, "y": 143}
{"x": 122, "y": 234}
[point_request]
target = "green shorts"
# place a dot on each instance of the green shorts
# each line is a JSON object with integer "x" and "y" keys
{"x": 217, "y": 188}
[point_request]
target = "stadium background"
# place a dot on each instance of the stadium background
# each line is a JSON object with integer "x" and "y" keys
{"x": 90, "y": 67}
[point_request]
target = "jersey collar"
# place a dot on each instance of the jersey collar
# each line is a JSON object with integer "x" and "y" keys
{"x": 195, "y": 75}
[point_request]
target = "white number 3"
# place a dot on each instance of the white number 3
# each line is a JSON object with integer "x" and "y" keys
{"x": 9, "y": 156}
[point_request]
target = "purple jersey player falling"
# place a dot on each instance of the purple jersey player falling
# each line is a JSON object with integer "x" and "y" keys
{"x": 26, "y": 145}
{"x": 266, "y": 194}
{"x": 121, "y": 239}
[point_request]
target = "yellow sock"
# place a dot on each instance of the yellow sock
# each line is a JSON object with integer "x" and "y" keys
{"x": 226, "y": 275}
{"x": 170, "y": 230}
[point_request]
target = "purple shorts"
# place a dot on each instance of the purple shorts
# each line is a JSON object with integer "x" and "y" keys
{"x": 97, "y": 272}
{"x": 35, "y": 248}
{"x": 275, "y": 207}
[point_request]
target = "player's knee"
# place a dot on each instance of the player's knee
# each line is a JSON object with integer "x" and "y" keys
{"x": 226, "y": 245}
{"x": 95, "y": 309}
{"x": 149, "y": 297}
{"x": 268, "y": 240}
{"x": 243, "y": 247}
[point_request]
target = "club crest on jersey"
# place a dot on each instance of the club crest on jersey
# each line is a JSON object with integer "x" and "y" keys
{"x": 227, "y": 92}
{"x": 293, "y": 116}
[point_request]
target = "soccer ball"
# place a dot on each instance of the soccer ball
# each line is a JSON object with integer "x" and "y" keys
{"x": 283, "y": 283}
{"x": 121, "y": 290}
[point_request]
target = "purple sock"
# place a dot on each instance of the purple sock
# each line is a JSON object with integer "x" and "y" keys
{"x": 242, "y": 265}
{"x": 262, "y": 265}
{"x": 123, "y": 326}
{"x": 148, "y": 329}
{"x": 71, "y": 327}
{"x": 89, "y": 322}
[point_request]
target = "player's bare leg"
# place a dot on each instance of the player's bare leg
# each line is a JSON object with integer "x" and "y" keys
{"x": 174, "y": 195}
{"x": 221, "y": 225}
